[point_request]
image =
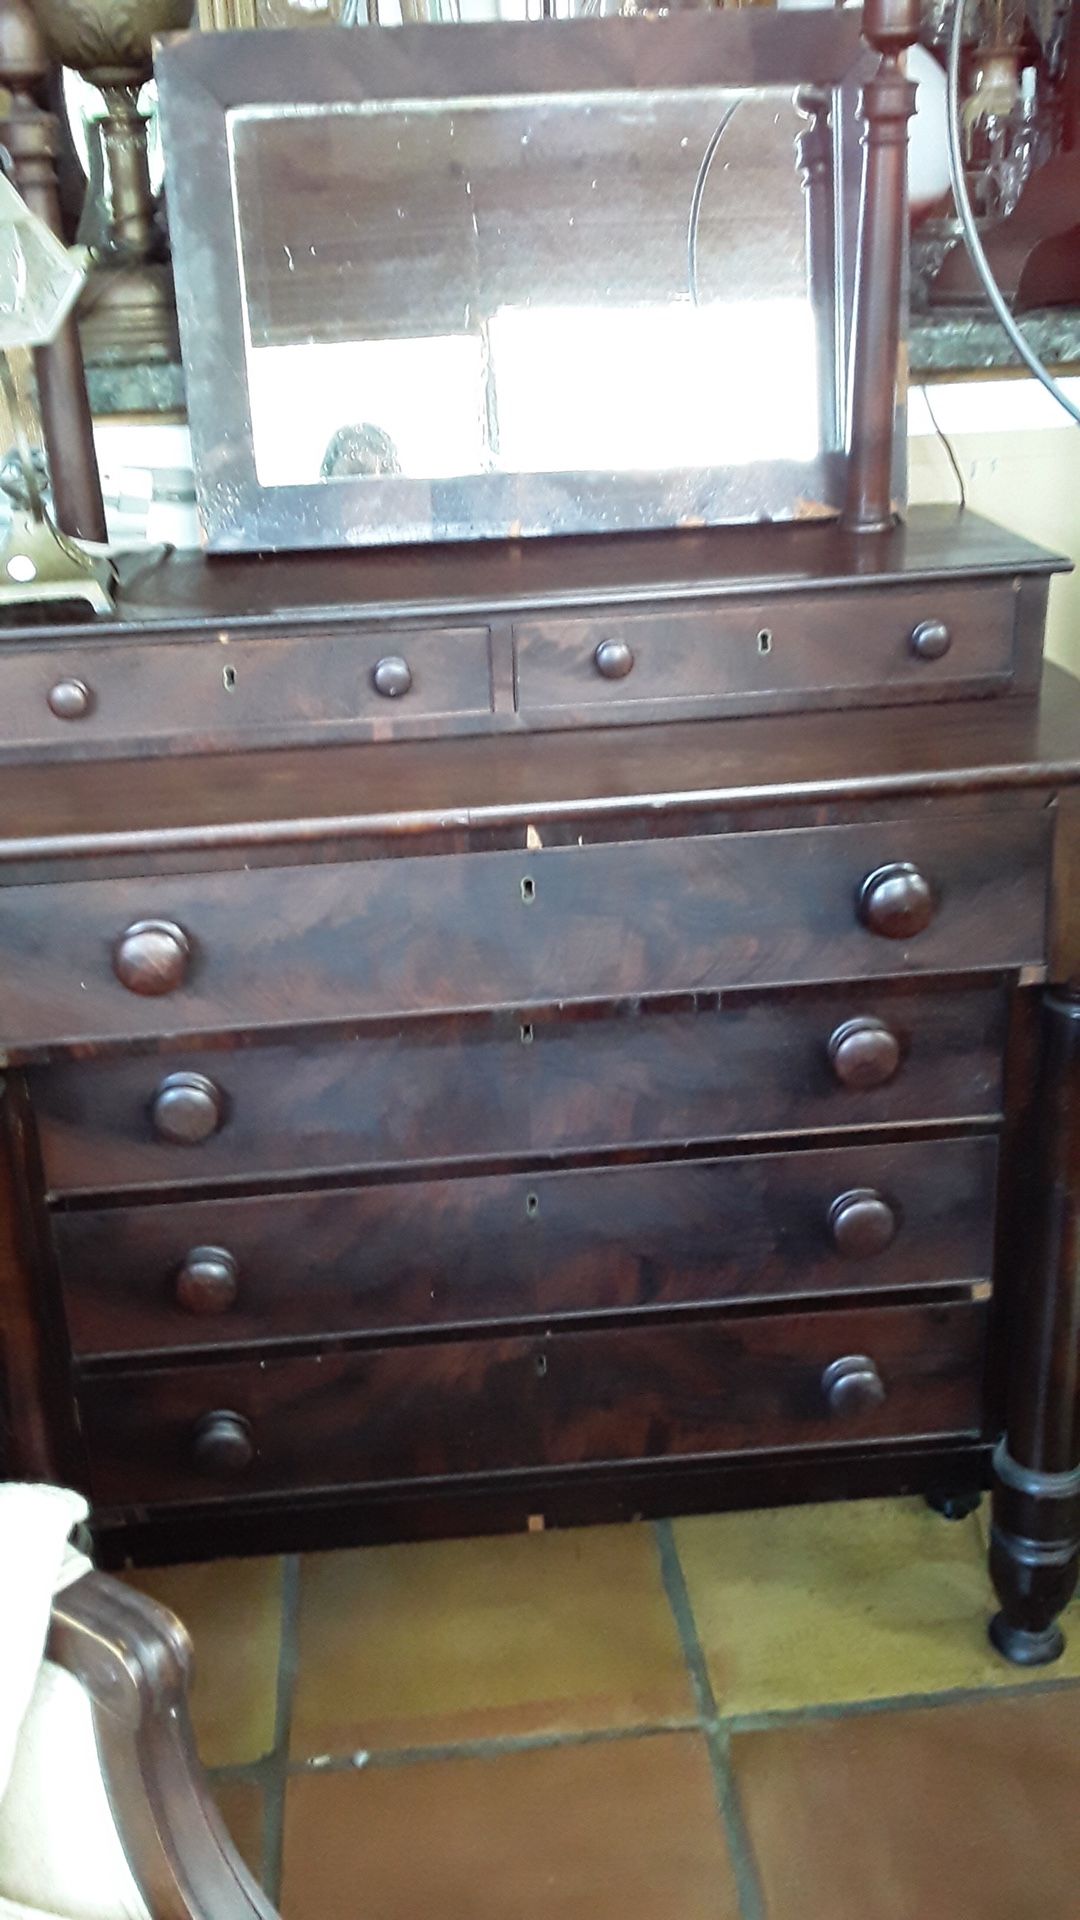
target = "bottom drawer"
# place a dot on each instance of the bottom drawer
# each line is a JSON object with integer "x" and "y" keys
{"x": 469, "y": 1407}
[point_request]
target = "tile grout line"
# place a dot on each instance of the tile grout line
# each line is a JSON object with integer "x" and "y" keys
{"x": 277, "y": 1764}
{"x": 717, "y": 1739}
{"x": 770, "y": 1718}
{"x": 496, "y": 1747}
{"x": 260, "y": 1772}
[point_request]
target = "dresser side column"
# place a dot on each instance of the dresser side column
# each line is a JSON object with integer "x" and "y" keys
{"x": 1035, "y": 1535}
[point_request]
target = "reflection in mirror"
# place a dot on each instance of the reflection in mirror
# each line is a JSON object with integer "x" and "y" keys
{"x": 556, "y": 284}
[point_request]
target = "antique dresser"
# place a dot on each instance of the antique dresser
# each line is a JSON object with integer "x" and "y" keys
{"x": 510, "y": 1034}
{"x": 602, "y": 1119}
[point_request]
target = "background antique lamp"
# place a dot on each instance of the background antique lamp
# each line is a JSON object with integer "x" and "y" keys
{"x": 128, "y": 309}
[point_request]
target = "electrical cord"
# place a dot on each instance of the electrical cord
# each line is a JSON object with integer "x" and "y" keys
{"x": 948, "y": 446}
{"x": 971, "y": 232}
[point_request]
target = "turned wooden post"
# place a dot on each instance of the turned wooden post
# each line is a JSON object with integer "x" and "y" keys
{"x": 1035, "y": 1537}
{"x": 32, "y": 138}
{"x": 888, "y": 101}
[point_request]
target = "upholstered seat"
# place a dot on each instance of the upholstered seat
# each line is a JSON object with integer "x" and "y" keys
{"x": 104, "y": 1812}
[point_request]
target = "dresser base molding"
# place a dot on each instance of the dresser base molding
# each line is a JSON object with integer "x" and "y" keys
{"x": 533, "y": 1503}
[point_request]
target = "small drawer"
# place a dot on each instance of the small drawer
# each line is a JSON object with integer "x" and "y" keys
{"x": 163, "y": 956}
{"x": 457, "y": 1409}
{"x": 225, "y": 689}
{"x": 538, "y": 1246}
{"x": 507, "y": 1086}
{"x": 892, "y": 643}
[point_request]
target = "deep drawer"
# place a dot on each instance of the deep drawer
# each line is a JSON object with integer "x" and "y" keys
{"x": 267, "y": 947}
{"x": 462, "y": 1408}
{"x": 538, "y": 1245}
{"x": 491, "y": 1089}
{"x": 224, "y": 689}
{"x": 766, "y": 654}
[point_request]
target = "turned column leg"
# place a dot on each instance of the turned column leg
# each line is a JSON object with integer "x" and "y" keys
{"x": 1035, "y": 1537}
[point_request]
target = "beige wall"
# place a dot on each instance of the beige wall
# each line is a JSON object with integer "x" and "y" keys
{"x": 1027, "y": 479}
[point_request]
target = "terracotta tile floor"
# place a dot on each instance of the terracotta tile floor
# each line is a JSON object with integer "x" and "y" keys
{"x": 770, "y": 1716}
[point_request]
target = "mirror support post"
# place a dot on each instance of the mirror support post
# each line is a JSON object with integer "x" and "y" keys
{"x": 888, "y": 101}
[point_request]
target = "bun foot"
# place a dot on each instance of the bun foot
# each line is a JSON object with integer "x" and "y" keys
{"x": 1024, "y": 1648}
{"x": 954, "y": 1505}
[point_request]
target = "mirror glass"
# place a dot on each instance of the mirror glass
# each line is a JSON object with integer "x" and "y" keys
{"x": 597, "y": 285}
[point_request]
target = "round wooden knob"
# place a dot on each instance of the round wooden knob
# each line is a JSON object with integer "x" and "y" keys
{"x": 852, "y": 1385}
{"x": 896, "y": 901}
{"x": 70, "y": 699}
{"x": 187, "y": 1109}
{"x": 208, "y": 1281}
{"x": 614, "y": 659}
{"x": 223, "y": 1443}
{"x": 930, "y": 640}
{"x": 152, "y": 957}
{"x": 861, "y": 1224}
{"x": 392, "y": 677}
{"x": 864, "y": 1053}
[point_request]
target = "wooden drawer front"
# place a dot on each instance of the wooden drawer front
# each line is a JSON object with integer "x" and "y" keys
{"x": 494, "y": 1089}
{"x": 467, "y": 1407}
{"x": 528, "y": 1246}
{"x": 768, "y": 653}
{"x": 140, "y": 692}
{"x": 380, "y": 938}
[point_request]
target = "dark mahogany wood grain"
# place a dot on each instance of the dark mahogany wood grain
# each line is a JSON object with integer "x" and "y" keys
{"x": 511, "y": 1503}
{"x": 501, "y": 1086}
{"x": 29, "y": 1430}
{"x": 470, "y": 1407}
{"x": 759, "y": 653}
{"x": 1065, "y": 895}
{"x": 272, "y": 673}
{"x": 389, "y": 795}
{"x": 531, "y": 1245}
{"x": 543, "y": 927}
{"x": 1035, "y": 1537}
{"x": 187, "y": 591}
{"x": 229, "y": 688}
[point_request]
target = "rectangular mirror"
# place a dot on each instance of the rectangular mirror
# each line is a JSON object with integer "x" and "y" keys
{"x": 500, "y": 312}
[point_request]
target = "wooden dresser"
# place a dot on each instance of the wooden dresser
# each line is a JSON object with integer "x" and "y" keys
{"x": 476, "y": 1056}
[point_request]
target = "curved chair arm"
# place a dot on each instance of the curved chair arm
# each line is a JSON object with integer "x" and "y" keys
{"x": 133, "y": 1659}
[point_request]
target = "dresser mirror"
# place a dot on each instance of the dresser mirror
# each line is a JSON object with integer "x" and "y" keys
{"x": 511, "y": 280}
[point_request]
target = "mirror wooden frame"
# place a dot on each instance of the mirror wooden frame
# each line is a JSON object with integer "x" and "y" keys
{"x": 202, "y": 82}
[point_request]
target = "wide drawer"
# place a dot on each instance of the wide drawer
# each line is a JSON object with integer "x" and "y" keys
{"x": 131, "y": 694}
{"x": 491, "y": 1089}
{"x": 266, "y": 947}
{"x": 456, "y": 1409}
{"x": 900, "y": 643}
{"x": 407, "y": 1257}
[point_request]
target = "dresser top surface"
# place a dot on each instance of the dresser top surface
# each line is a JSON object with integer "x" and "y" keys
{"x": 199, "y": 802}
{"x": 191, "y": 591}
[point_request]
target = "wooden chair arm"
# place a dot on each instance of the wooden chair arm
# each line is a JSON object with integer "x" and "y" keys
{"x": 133, "y": 1659}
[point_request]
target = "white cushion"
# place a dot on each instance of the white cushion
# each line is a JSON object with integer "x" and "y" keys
{"x": 59, "y": 1849}
{"x": 60, "y": 1854}
{"x": 34, "y": 1526}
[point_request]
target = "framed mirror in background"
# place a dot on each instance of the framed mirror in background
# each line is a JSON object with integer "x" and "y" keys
{"x": 513, "y": 280}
